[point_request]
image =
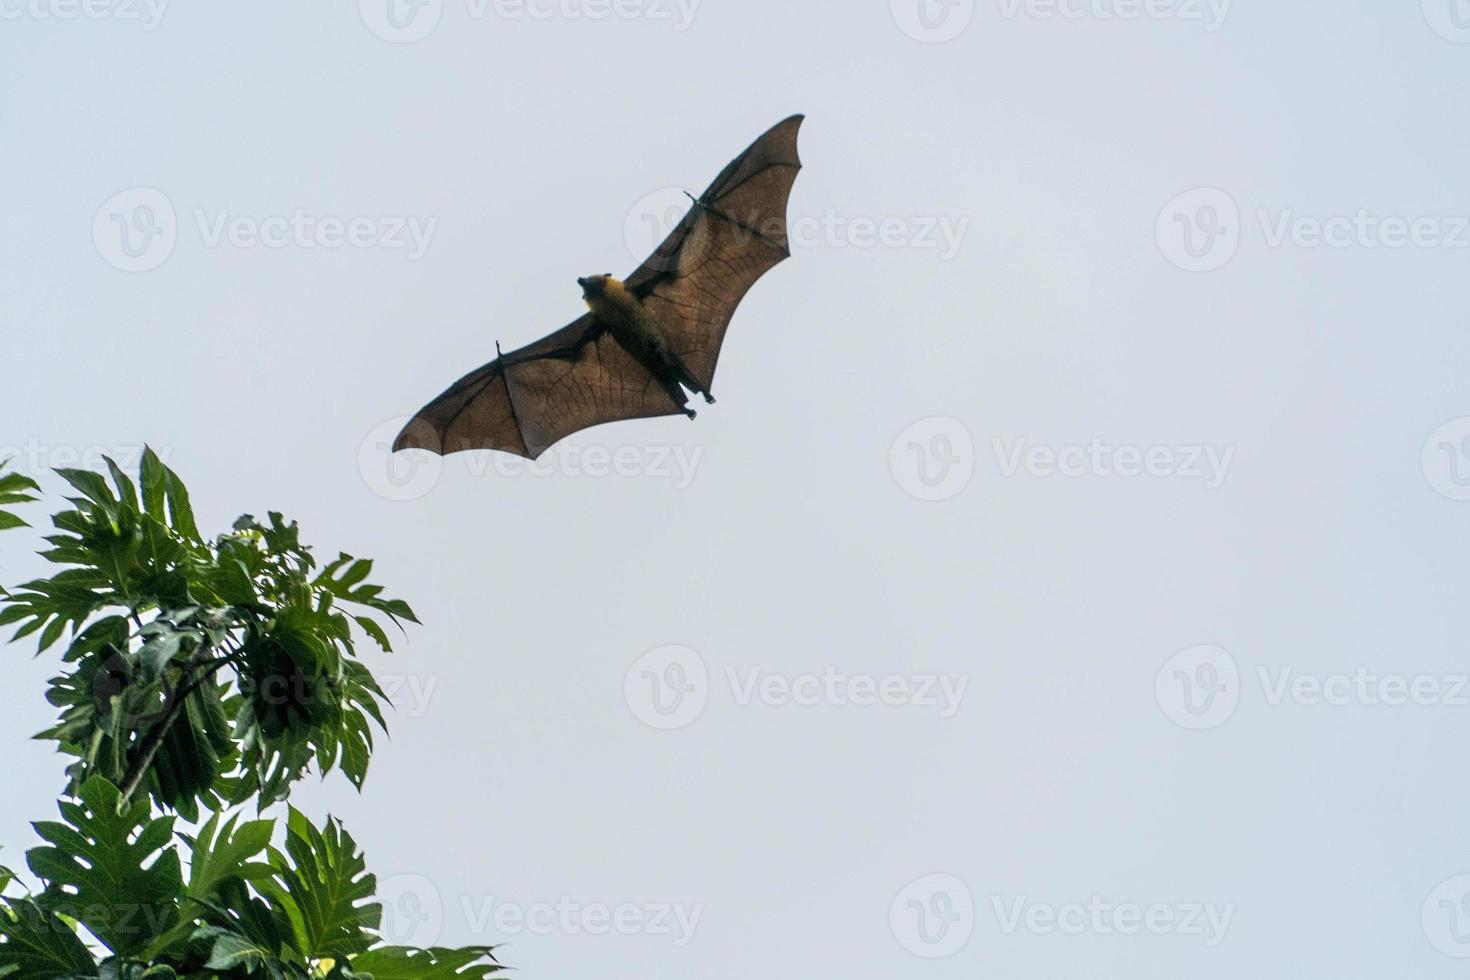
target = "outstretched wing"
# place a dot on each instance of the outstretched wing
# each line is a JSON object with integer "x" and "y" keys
{"x": 734, "y": 234}
{"x": 527, "y": 400}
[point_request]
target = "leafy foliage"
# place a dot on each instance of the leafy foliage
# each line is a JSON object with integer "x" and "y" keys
{"x": 199, "y": 675}
{"x": 325, "y": 891}
{"x": 14, "y": 489}
{"x": 38, "y": 945}
{"x": 203, "y": 672}
{"x": 406, "y": 963}
{"x": 110, "y": 868}
{"x": 244, "y": 910}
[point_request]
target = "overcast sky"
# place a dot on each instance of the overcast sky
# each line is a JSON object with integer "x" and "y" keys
{"x": 1070, "y": 580}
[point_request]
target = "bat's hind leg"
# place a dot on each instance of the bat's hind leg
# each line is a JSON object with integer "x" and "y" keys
{"x": 671, "y": 387}
{"x": 688, "y": 380}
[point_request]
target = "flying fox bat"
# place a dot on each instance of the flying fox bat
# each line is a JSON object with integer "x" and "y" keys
{"x": 645, "y": 339}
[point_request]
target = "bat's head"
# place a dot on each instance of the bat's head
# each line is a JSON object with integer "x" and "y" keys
{"x": 593, "y": 287}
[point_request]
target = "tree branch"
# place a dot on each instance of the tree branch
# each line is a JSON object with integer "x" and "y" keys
{"x": 153, "y": 741}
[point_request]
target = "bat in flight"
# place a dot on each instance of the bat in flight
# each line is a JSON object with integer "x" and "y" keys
{"x": 645, "y": 339}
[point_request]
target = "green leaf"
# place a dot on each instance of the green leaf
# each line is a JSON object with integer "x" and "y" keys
{"x": 16, "y": 483}
{"x": 230, "y": 950}
{"x": 121, "y": 969}
{"x": 97, "y": 867}
{"x": 92, "y": 486}
{"x": 151, "y": 473}
{"x": 126, "y": 492}
{"x": 217, "y": 855}
{"x": 324, "y": 891}
{"x": 407, "y": 963}
{"x": 37, "y": 945}
{"x": 14, "y": 489}
{"x": 372, "y": 629}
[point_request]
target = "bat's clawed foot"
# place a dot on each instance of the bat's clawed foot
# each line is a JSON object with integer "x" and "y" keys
{"x": 691, "y": 413}
{"x": 708, "y": 398}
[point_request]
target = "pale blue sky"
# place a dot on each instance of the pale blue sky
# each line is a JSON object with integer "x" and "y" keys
{"x": 1057, "y": 330}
